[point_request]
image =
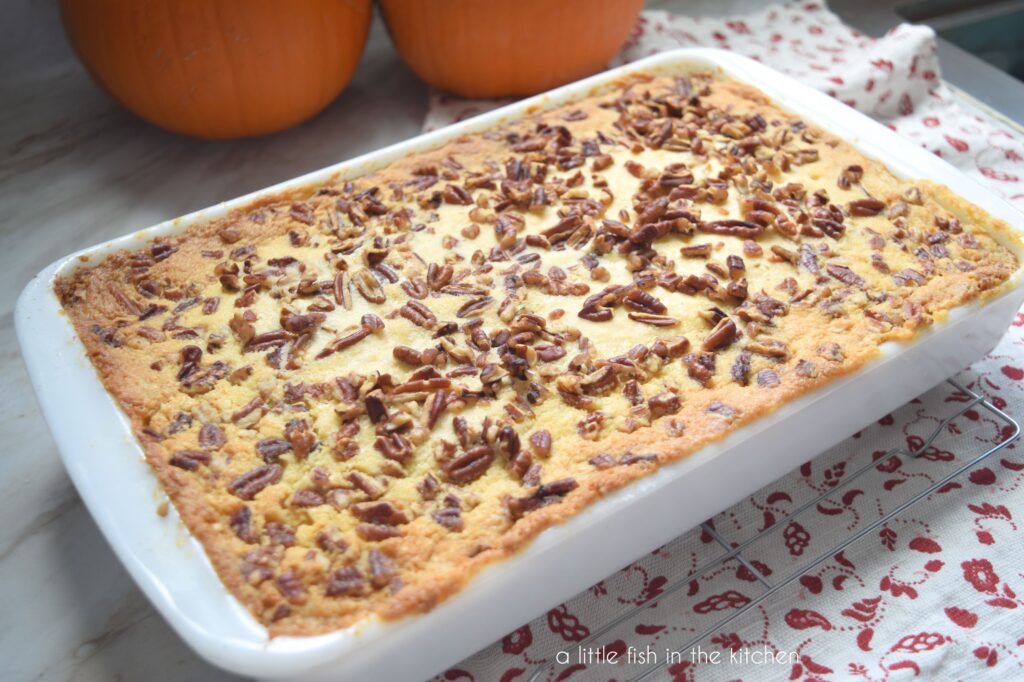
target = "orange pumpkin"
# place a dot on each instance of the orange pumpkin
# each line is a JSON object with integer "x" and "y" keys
{"x": 507, "y": 48}
{"x": 220, "y": 68}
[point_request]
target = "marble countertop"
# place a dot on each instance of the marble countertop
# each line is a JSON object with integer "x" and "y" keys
{"x": 75, "y": 170}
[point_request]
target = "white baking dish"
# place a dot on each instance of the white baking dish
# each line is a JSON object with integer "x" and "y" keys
{"x": 107, "y": 467}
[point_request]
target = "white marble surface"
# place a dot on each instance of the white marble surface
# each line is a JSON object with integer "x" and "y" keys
{"x": 76, "y": 170}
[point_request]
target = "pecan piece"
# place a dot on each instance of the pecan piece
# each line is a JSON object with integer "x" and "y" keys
{"x": 741, "y": 368}
{"x": 696, "y": 251}
{"x": 845, "y": 274}
{"x": 439, "y": 276}
{"x": 379, "y": 512}
{"x": 868, "y": 206}
{"x": 640, "y": 300}
{"x": 373, "y": 532}
{"x": 545, "y": 494}
{"x": 450, "y": 518}
{"x": 474, "y": 307}
{"x": 663, "y": 404}
{"x": 540, "y": 441}
{"x": 419, "y": 314}
{"x": 270, "y": 449}
{"x": 369, "y": 286}
{"x": 343, "y": 342}
{"x": 211, "y": 436}
{"x": 700, "y": 366}
{"x": 241, "y": 525}
{"x": 469, "y": 466}
{"x": 249, "y": 484}
{"x": 306, "y": 498}
{"x": 653, "y": 320}
{"x": 732, "y": 228}
{"x": 190, "y": 460}
{"x": 596, "y": 314}
{"x": 395, "y": 447}
{"x": 345, "y": 581}
{"x": 721, "y": 336}
{"x": 382, "y": 568}
{"x": 190, "y": 357}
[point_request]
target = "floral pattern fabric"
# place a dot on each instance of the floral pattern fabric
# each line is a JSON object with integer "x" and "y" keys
{"x": 937, "y": 593}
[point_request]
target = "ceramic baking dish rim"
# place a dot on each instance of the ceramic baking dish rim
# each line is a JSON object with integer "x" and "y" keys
{"x": 38, "y": 311}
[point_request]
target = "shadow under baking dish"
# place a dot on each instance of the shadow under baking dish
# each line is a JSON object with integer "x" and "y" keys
{"x": 105, "y": 462}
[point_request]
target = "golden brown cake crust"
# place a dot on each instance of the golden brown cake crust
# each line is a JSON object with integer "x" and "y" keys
{"x": 359, "y": 394}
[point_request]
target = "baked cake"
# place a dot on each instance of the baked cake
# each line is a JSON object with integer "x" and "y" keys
{"x": 358, "y": 394}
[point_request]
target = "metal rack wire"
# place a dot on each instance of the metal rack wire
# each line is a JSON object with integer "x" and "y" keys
{"x": 1011, "y": 431}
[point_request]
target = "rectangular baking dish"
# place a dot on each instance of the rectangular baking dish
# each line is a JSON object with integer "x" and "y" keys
{"x": 107, "y": 466}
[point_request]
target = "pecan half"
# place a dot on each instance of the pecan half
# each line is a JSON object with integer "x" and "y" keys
{"x": 249, "y": 484}
{"x": 419, "y": 314}
{"x": 190, "y": 460}
{"x": 845, "y": 274}
{"x": 868, "y": 206}
{"x": 469, "y": 466}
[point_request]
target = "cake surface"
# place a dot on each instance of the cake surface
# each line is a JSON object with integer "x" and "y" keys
{"x": 357, "y": 395}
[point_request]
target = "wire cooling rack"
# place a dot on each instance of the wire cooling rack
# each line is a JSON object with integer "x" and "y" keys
{"x": 559, "y": 662}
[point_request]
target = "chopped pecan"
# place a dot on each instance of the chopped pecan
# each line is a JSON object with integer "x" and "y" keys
{"x": 419, "y": 314}
{"x": 831, "y": 351}
{"x": 868, "y": 206}
{"x": 380, "y": 512}
{"x": 596, "y": 314}
{"x": 474, "y": 307}
{"x": 663, "y": 404}
{"x": 845, "y": 274}
{"x": 718, "y": 408}
{"x": 190, "y": 460}
{"x": 700, "y": 366}
{"x": 908, "y": 277}
{"x": 469, "y": 466}
{"x": 437, "y": 406}
{"x": 733, "y": 228}
{"x": 373, "y": 532}
{"x": 342, "y": 295}
{"x": 190, "y": 357}
{"x": 249, "y": 484}
{"x": 211, "y": 436}
{"x": 395, "y": 447}
{"x": 696, "y": 251}
{"x": 439, "y": 276}
{"x": 270, "y": 449}
{"x": 382, "y": 568}
{"x": 450, "y": 518}
{"x": 599, "y": 381}
{"x": 369, "y": 286}
{"x": 808, "y": 259}
{"x": 741, "y": 368}
{"x": 343, "y": 342}
{"x": 721, "y": 336}
{"x": 653, "y": 320}
{"x": 304, "y": 498}
{"x": 640, "y": 300}
{"x": 540, "y": 441}
{"x": 548, "y": 493}
{"x": 301, "y": 437}
{"x": 345, "y": 582}
{"x": 241, "y": 525}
